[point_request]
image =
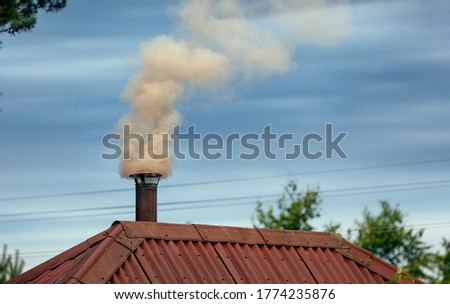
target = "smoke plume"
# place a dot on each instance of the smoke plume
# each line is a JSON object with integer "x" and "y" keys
{"x": 220, "y": 40}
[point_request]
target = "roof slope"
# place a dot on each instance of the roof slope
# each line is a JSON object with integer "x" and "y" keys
{"x": 144, "y": 252}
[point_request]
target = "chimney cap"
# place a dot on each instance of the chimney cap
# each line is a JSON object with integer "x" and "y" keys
{"x": 146, "y": 178}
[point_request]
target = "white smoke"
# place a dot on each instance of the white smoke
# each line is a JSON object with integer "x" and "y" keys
{"x": 222, "y": 40}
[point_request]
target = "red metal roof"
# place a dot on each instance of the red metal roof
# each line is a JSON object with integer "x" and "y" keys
{"x": 144, "y": 252}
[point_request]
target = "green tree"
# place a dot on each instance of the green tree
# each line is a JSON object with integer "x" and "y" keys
{"x": 21, "y": 15}
{"x": 386, "y": 235}
{"x": 442, "y": 262}
{"x": 10, "y": 266}
{"x": 295, "y": 210}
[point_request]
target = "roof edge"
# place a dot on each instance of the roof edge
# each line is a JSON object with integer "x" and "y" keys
{"x": 59, "y": 259}
{"x": 377, "y": 265}
{"x": 103, "y": 262}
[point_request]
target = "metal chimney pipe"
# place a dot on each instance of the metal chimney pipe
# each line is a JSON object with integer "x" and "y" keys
{"x": 146, "y": 196}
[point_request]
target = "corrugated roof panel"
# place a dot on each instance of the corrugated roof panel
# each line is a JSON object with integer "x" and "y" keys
{"x": 243, "y": 269}
{"x": 202, "y": 265}
{"x": 323, "y": 257}
{"x": 65, "y": 270}
{"x": 262, "y": 256}
{"x": 346, "y": 266}
{"x": 79, "y": 263}
{"x": 190, "y": 256}
{"x": 178, "y": 262}
{"x": 52, "y": 276}
{"x": 33, "y": 275}
{"x": 276, "y": 265}
{"x": 237, "y": 278}
{"x": 378, "y": 279}
{"x": 130, "y": 272}
{"x": 314, "y": 265}
{"x": 104, "y": 261}
{"x": 214, "y": 267}
{"x": 154, "y": 264}
{"x": 328, "y": 266}
{"x": 350, "y": 269}
{"x": 367, "y": 275}
{"x": 337, "y": 262}
{"x": 182, "y": 262}
{"x": 141, "y": 252}
{"x": 263, "y": 268}
{"x": 264, "y": 264}
{"x": 354, "y": 271}
{"x": 295, "y": 266}
{"x": 134, "y": 269}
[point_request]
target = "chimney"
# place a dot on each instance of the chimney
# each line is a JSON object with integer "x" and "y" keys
{"x": 146, "y": 202}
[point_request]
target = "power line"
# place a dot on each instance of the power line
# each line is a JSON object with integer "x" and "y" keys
{"x": 390, "y": 185}
{"x": 161, "y": 210}
{"x": 383, "y": 191}
{"x": 65, "y": 211}
{"x": 403, "y": 187}
{"x": 430, "y": 225}
{"x": 132, "y": 206}
{"x": 403, "y": 164}
{"x": 39, "y": 253}
{"x": 31, "y": 197}
{"x": 231, "y": 180}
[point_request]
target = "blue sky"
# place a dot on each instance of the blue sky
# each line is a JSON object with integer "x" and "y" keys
{"x": 386, "y": 84}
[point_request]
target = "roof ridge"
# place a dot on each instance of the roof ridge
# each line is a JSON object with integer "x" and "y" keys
{"x": 195, "y": 226}
{"x": 233, "y": 234}
{"x": 104, "y": 253}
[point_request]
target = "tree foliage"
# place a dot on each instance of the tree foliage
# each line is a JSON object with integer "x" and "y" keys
{"x": 295, "y": 210}
{"x": 21, "y": 15}
{"x": 386, "y": 235}
{"x": 10, "y": 266}
{"x": 442, "y": 261}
